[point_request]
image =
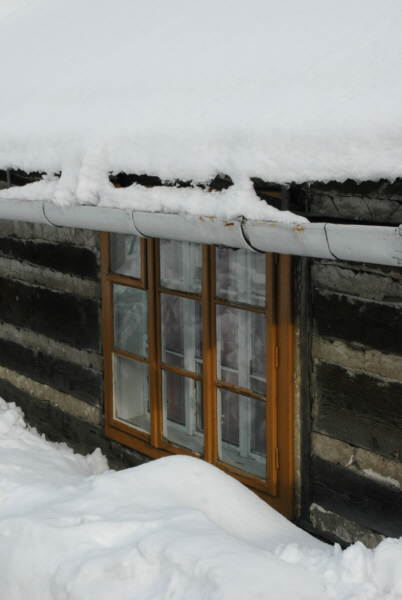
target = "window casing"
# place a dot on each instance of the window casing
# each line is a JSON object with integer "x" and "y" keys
{"x": 191, "y": 342}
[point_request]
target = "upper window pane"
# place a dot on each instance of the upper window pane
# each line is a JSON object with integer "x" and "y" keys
{"x": 130, "y": 320}
{"x": 181, "y": 266}
{"x": 125, "y": 255}
{"x": 240, "y": 276}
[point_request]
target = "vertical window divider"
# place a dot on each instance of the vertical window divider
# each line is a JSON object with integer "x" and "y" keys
{"x": 107, "y": 323}
{"x": 208, "y": 344}
{"x": 286, "y": 376}
{"x": 144, "y": 262}
{"x": 272, "y": 375}
{"x": 154, "y": 341}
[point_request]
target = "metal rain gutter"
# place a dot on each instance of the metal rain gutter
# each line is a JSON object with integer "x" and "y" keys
{"x": 361, "y": 243}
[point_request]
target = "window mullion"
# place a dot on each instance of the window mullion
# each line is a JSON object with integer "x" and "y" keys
{"x": 154, "y": 343}
{"x": 107, "y": 322}
{"x": 272, "y": 375}
{"x": 209, "y": 355}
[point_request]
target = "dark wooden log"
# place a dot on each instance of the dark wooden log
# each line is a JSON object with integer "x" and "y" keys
{"x": 375, "y": 325}
{"x": 361, "y": 410}
{"x": 64, "y": 317}
{"x": 59, "y": 426}
{"x": 64, "y": 258}
{"x": 351, "y": 495}
{"x": 68, "y": 377}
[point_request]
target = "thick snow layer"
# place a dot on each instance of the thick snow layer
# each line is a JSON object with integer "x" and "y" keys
{"x": 176, "y": 528}
{"x": 278, "y": 89}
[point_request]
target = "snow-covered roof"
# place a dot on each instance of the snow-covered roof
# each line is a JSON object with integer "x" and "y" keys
{"x": 281, "y": 90}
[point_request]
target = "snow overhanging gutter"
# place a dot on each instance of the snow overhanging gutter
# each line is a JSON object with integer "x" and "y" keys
{"x": 362, "y": 243}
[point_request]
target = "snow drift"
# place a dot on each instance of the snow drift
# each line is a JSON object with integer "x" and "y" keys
{"x": 175, "y": 528}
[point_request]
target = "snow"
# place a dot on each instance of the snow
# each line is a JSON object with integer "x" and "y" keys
{"x": 175, "y": 528}
{"x": 384, "y": 479}
{"x": 281, "y": 90}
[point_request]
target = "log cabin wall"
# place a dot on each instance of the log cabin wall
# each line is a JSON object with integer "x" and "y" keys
{"x": 355, "y": 428}
{"x": 348, "y": 387}
{"x": 51, "y": 360}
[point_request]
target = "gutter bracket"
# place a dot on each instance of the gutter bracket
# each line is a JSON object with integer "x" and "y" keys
{"x": 326, "y": 237}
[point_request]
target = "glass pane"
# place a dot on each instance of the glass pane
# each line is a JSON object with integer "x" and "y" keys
{"x": 130, "y": 320}
{"x": 125, "y": 254}
{"x": 242, "y": 439}
{"x": 131, "y": 392}
{"x": 240, "y": 276}
{"x": 183, "y": 411}
{"x": 240, "y": 346}
{"x": 181, "y": 332}
{"x": 181, "y": 266}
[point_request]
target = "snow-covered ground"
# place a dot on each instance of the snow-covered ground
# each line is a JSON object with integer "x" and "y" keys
{"x": 176, "y": 528}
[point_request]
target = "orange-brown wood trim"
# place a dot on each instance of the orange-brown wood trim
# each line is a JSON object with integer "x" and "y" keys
{"x": 209, "y": 395}
{"x": 126, "y": 427}
{"x": 153, "y": 345}
{"x": 144, "y": 263}
{"x": 125, "y": 280}
{"x": 250, "y": 480}
{"x": 240, "y": 305}
{"x": 180, "y": 371}
{"x": 284, "y": 502}
{"x": 135, "y": 443}
{"x": 272, "y": 374}
{"x": 236, "y": 389}
{"x": 107, "y": 325}
{"x": 180, "y": 293}
{"x": 129, "y": 355}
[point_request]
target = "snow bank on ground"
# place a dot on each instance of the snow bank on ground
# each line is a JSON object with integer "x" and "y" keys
{"x": 285, "y": 91}
{"x": 176, "y": 528}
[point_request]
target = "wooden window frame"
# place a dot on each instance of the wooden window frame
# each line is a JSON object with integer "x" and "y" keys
{"x": 278, "y": 489}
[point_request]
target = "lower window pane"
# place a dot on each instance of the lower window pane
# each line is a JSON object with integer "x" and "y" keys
{"x": 183, "y": 411}
{"x": 242, "y": 432}
{"x": 131, "y": 392}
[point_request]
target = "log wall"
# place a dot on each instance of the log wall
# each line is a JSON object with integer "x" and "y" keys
{"x": 355, "y": 434}
{"x": 50, "y": 334}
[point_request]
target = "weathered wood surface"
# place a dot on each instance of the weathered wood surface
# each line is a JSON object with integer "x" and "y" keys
{"x": 60, "y": 426}
{"x": 67, "y": 377}
{"x": 64, "y": 317}
{"x": 359, "y": 409}
{"x": 357, "y": 498}
{"x": 64, "y": 258}
{"x": 375, "y": 325}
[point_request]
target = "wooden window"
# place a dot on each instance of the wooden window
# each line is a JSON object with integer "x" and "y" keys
{"x": 198, "y": 357}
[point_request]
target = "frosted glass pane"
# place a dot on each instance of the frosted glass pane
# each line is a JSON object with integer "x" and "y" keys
{"x": 242, "y": 432}
{"x": 125, "y": 254}
{"x": 240, "y": 276}
{"x": 181, "y": 332}
{"x": 181, "y": 266}
{"x": 240, "y": 344}
{"x": 130, "y": 320}
{"x": 183, "y": 411}
{"x": 131, "y": 392}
